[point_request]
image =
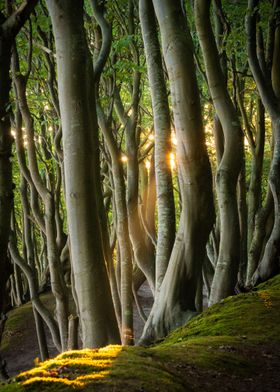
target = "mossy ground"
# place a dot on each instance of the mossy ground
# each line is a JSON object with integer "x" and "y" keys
{"x": 233, "y": 346}
{"x": 19, "y": 321}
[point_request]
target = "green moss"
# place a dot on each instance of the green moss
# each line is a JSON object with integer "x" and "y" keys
{"x": 11, "y": 388}
{"x": 271, "y": 284}
{"x": 16, "y": 322}
{"x": 19, "y": 319}
{"x": 250, "y": 315}
{"x": 140, "y": 367}
{"x": 217, "y": 353}
{"x": 224, "y": 339}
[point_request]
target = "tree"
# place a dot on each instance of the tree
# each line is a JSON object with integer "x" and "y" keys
{"x": 175, "y": 303}
{"x": 266, "y": 76}
{"x": 10, "y": 26}
{"x": 80, "y": 145}
{"x": 162, "y": 123}
{"x": 230, "y": 165}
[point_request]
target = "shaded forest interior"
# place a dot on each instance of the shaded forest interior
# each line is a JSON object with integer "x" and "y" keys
{"x": 139, "y": 145}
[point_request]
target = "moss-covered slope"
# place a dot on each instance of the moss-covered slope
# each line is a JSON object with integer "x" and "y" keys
{"x": 233, "y": 346}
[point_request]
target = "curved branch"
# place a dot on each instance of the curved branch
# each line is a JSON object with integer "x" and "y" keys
{"x": 265, "y": 89}
{"x": 106, "y": 31}
{"x": 14, "y": 23}
{"x": 35, "y": 299}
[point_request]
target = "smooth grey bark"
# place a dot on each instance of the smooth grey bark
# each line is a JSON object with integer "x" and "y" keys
{"x": 220, "y": 32}
{"x": 162, "y": 124}
{"x": 125, "y": 252}
{"x": 79, "y": 124}
{"x": 255, "y": 193}
{"x": 243, "y": 221}
{"x": 175, "y": 303}
{"x": 9, "y": 28}
{"x": 73, "y": 333}
{"x": 225, "y": 277}
{"x": 29, "y": 244}
{"x": 39, "y": 306}
{"x": 106, "y": 31}
{"x": 150, "y": 208}
{"x": 142, "y": 246}
{"x": 275, "y": 74}
{"x": 16, "y": 278}
{"x": 143, "y": 249}
{"x": 41, "y": 336}
{"x": 44, "y": 190}
{"x": 102, "y": 51}
{"x": 269, "y": 263}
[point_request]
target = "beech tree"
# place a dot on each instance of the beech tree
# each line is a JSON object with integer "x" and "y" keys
{"x": 230, "y": 165}
{"x": 266, "y": 75}
{"x": 80, "y": 143}
{"x": 175, "y": 303}
{"x": 162, "y": 124}
{"x": 11, "y": 23}
{"x": 144, "y": 142}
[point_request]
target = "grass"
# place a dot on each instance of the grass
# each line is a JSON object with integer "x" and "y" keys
{"x": 223, "y": 340}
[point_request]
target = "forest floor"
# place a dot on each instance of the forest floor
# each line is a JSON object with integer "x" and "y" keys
{"x": 19, "y": 346}
{"x": 233, "y": 346}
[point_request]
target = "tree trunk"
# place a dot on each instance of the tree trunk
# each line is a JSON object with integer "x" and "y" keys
{"x": 36, "y": 302}
{"x": 175, "y": 303}
{"x": 9, "y": 27}
{"x": 268, "y": 89}
{"x": 122, "y": 232}
{"x": 255, "y": 188}
{"x": 162, "y": 125}
{"x": 78, "y": 116}
{"x": 225, "y": 277}
{"x": 255, "y": 195}
{"x": 6, "y": 183}
{"x": 57, "y": 281}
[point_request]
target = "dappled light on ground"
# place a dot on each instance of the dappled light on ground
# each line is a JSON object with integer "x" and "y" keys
{"x": 73, "y": 368}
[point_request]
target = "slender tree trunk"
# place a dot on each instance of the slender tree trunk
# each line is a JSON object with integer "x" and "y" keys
{"x": 18, "y": 285}
{"x": 6, "y": 183}
{"x": 29, "y": 245}
{"x": 243, "y": 222}
{"x": 41, "y": 335}
{"x": 78, "y": 116}
{"x": 9, "y": 28}
{"x": 268, "y": 89}
{"x": 143, "y": 248}
{"x": 162, "y": 125}
{"x": 225, "y": 277}
{"x": 255, "y": 210}
{"x": 57, "y": 281}
{"x": 175, "y": 303}
{"x": 36, "y": 302}
{"x": 122, "y": 232}
{"x": 102, "y": 50}
{"x": 255, "y": 188}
